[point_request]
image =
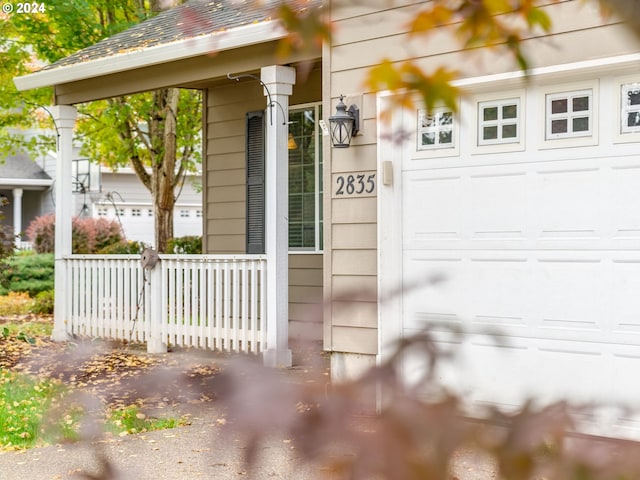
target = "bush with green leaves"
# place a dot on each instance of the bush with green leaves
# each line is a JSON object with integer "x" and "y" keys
{"x": 28, "y": 273}
{"x": 190, "y": 244}
{"x": 125, "y": 247}
{"x": 43, "y": 303}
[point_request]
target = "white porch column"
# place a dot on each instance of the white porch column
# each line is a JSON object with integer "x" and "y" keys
{"x": 64, "y": 116}
{"x": 17, "y": 213}
{"x": 279, "y": 82}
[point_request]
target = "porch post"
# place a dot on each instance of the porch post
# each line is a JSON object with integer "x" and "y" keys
{"x": 17, "y": 214}
{"x": 64, "y": 117}
{"x": 279, "y": 82}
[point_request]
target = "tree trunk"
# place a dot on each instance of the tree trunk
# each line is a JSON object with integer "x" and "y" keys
{"x": 164, "y": 168}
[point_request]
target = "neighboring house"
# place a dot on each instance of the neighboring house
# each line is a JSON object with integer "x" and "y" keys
{"x": 526, "y": 200}
{"x": 25, "y": 192}
{"x": 124, "y": 198}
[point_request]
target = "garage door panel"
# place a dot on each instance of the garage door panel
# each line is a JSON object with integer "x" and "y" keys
{"x": 439, "y": 217}
{"x": 569, "y": 203}
{"x": 625, "y": 299}
{"x": 425, "y": 303}
{"x": 498, "y": 205}
{"x": 543, "y": 206}
{"x": 489, "y": 373}
{"x": 625, "y": 198}
{"x": 569, "y": 295}
{"x": 554, "y": 295}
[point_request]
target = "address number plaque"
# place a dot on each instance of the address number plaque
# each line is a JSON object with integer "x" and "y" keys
{"x": 354, "y": 184}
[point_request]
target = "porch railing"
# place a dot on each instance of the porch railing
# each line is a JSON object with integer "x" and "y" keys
{"x": 205, "y": 301}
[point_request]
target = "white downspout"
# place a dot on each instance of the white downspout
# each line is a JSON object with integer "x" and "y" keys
{"x": 279, "y": 82}
{"x": 64, "y": 117}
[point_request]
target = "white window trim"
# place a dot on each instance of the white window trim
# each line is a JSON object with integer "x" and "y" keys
{"x": 450, "y": 150}
{"x": 620, "y": 113}
{"x": 568, "y": 89}
{"x": 498, "y": 122}
{"x": 318, "y": 135}
{"x": 515, "y": 144}
{"x": 436, "y": 128}
{"x": 569, "y": 115}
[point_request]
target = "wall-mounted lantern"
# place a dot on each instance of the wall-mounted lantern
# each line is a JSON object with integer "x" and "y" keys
{"x": 344, "y": 124}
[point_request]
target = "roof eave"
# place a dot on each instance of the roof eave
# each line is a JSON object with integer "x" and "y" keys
{"x": 206, "y": 44}
{"x": 26, "y": 182}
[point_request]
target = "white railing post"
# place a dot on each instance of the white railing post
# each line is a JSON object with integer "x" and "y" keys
{"x": 278, "y": 81}
{"x": 155, "y": 343}
{"x": 64, "y": 117}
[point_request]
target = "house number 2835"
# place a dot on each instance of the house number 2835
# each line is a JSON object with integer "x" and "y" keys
{"x": 355, "y": 184}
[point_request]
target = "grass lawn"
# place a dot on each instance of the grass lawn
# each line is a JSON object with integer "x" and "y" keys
{"x": 39, "y": 405}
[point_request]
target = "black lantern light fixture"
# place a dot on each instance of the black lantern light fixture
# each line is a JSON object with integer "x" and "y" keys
{"x": 344, "y": 124}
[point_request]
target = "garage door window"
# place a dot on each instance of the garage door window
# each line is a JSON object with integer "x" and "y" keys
{"x": 498, "y": 122}
{"x": 435, "y": 129}
{"x": 569, "y": 114}
{"x": 630, "y": 108}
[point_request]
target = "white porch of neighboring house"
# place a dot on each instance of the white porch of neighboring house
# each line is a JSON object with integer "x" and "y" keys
{"x": 22, "y": 185}
{"x": 225, "y": 302}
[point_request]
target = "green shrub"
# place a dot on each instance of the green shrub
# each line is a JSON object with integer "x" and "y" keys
{"x": 191, "y": 244}
{"x": 43, "y": 303}
{"x": 28, "y": 273}
{"x": 122, "y": 248}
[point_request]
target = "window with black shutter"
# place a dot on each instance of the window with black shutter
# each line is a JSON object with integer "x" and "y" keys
{"x": 255, "y": 182}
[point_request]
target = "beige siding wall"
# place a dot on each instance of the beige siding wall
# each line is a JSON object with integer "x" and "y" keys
{"x": 365, "y": 33}
{"x": 224, "y": 184}
{"x": 305, "y": 296}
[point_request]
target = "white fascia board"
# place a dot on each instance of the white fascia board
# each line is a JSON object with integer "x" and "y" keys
{"x": 597, "y": 64}
{"x": 262, "y": 32}
{"x": 26, "y": 182}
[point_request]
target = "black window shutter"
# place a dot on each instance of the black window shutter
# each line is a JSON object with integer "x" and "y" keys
{"x": 255, "y": 182}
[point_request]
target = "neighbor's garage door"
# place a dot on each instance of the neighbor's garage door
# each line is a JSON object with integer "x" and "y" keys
{"x": 544, "y": 251}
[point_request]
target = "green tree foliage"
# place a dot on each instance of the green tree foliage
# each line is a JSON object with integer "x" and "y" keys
{"x": 190, "y": 244}
{"x": 27, "y": 273}
{"x": 156, "y": 133}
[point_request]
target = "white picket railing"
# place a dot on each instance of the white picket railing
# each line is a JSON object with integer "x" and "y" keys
{"x": 205, "y": 301}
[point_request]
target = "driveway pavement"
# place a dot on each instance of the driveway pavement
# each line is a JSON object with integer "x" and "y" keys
{"x": 206, "y": 448}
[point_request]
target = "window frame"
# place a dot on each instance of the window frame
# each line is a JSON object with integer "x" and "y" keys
{"x": 499, "y": 122}
{"x": 319, "y": 183}
{"x": 625, "y": 134}
{"x": 421, "y": 129}
{"x": 471, "y": 106}
{"x": 557, "y": 90}
{"x": 570, "y": 115}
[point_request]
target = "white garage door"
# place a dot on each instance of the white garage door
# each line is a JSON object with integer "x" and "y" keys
{"x": 542, "y": 246}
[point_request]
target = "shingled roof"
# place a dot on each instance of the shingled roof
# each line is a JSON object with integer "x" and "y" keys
{"x": 189, "y": 20}
{"x": 20, "y": 166}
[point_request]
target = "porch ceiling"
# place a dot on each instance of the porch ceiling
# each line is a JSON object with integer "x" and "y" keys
{"x": 187, "y": 46}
